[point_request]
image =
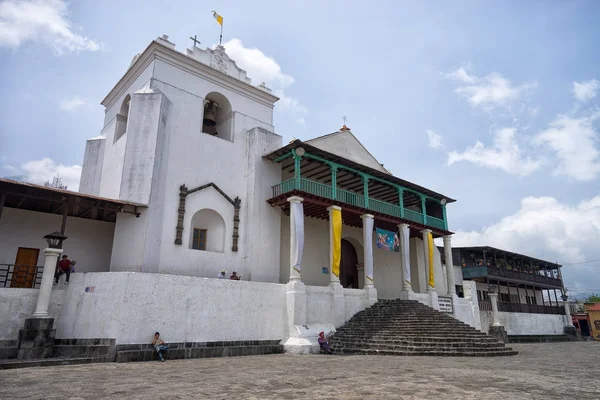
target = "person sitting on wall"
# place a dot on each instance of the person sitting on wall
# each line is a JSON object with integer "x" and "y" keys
{"x": 64, "y": 267}
{"x": 234, "y": 276}
{"x": 222, "y": 274}
{"x": 159, "y": 346}
{"x": 324, "y": 344}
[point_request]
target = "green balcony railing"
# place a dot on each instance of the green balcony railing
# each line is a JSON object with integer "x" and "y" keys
{"x": 354, "y": 199}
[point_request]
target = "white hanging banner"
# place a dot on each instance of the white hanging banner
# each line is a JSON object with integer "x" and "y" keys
{"x": 297, "y": 214}
{"x": 405, "y": 240}
{"x": 368, "y": 240}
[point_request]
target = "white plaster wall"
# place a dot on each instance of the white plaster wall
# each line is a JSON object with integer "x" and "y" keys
{"x": 387, "y": 269}
{"x": 89, "y": 242}
{"x": 319, "y": 304}
{"x": 16, "y": 305}
{"x": 91, "y": 172}
{"x": 355, "y": 301}
{"x": 130, "y": 307}
{"x": 346, "y": 145}
{"x": 525, "y": 323}
{"x": 129, "y": 241}
{"x": 112, "y": 165}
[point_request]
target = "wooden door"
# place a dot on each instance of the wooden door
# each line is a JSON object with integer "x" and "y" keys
{"x": 348, "y": 270}
{"x": 25, "y": 268}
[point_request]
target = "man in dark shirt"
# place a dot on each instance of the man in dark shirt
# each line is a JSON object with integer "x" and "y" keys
{"x": 64, "y": 267}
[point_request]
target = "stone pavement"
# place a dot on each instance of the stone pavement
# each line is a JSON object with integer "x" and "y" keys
{"x": 540, "y": 371}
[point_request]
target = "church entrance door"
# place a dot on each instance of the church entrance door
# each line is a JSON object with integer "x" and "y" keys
{"x": 348, "y": 270}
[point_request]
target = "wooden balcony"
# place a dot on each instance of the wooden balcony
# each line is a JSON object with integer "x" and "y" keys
{"x": 486, "y": 305}
{"x": 514, "y": 276}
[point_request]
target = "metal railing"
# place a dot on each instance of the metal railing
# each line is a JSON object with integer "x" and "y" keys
{"x": 20, "y": 276}
{"x": 486, "y": 305}
{"x": 523, "y": 276}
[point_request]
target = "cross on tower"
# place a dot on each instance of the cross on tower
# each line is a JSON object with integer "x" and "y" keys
{"x": 345, "y": 119}
{"x": 195, "y": 40}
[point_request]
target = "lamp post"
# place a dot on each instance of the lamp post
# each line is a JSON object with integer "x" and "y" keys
{"x": 54, "y": 249}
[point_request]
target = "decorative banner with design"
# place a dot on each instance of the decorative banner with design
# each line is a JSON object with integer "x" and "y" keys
{"x": 430, "y": 245}
{"x": 336, "y": 226}
{"x": 297, "y": 214}
{"x": 405, "y": 235}
{"x": 387, "y": 240}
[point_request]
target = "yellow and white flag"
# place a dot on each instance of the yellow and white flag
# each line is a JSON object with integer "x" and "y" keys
{"x": 218, "y": 18}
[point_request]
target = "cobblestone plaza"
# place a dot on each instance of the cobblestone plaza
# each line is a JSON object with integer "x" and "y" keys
{"x": 539, "y": 371}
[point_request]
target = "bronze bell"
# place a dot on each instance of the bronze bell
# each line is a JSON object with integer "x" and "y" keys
{"x": 209, "y": 115}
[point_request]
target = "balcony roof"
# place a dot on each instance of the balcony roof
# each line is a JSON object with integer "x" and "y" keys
{"x": 354, "y": 165}
{"x": 499, "y": 252}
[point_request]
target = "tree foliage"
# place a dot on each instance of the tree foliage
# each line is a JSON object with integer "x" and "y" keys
{"x": 56, "y": 183}
{"x": 593, "y": 298}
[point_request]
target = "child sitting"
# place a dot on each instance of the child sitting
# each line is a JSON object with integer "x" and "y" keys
{"x": 159, "y": 346}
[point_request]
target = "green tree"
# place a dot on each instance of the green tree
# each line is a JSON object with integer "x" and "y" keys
{"x": 594, "y": 298}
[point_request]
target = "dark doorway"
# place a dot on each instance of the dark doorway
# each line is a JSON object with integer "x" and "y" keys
{"x": 348, "y": 271}
{"x": 585, "y": 328}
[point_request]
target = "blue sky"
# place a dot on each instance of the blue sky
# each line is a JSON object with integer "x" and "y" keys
{"x": 420, "y": 82}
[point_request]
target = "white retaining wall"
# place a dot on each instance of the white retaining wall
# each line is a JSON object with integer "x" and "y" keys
{"x": 525, "y": 323}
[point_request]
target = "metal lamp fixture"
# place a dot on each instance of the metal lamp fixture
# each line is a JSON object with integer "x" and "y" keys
{"x": 55, "y": 240}
{"x": 300, "y": 151}
{"x": 443, "y": 201}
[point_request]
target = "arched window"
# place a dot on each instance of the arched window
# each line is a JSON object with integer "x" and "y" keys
{"x": 122, "y": 116}
{"x": 217, "y": 117}
{"x": 207, "y": 231}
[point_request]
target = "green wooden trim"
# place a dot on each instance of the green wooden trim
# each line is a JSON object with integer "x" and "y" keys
{"x": 365, "y": 178}
{"x": 297, "y": 170}
{"x": 445, "y": 219}
{"x": 334, "y": 169}
{"x": 424, "y": 210}
{"x": 401, "y": 200}
{"x": 283, "y": 157}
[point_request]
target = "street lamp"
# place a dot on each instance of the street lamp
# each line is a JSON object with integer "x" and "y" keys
{"x": 55, "y": 240}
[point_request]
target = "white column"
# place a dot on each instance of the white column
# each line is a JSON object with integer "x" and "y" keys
{"x": 296, "y": 237}
{"x": 332, "y": 278}
{"x": 494, "y": 301}
{"x": 369, "y": 286}
{"x": 368, "y": 247}
{"x": 43, "y": 301}
{"x": 567, "y": 310}
{"x": 449, "y": 265}
{"x": 425, "y": 236}
{"x": 405, "y": 257}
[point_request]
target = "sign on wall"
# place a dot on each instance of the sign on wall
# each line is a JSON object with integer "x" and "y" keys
{"x": 445, "y": 304}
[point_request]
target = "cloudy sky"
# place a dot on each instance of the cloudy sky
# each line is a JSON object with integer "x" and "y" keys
{"x": 496, "y": 105}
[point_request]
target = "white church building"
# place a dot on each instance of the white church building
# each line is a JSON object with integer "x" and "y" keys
{"x": 187, "y": 178}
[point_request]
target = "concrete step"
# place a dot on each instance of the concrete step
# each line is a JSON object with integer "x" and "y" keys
{"x": 47, "y": 362}
{"x": 435, "y": 353}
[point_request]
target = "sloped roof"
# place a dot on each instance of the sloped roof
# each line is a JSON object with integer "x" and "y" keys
{"x": 333, "y": 143}
{"x": 595, "y": 307}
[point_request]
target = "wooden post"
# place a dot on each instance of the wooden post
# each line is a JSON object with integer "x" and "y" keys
{"x": 67, "y": 205}
{"x": 2, "y": 199}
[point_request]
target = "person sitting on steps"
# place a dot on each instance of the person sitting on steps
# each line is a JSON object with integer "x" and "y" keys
{"x": 64, "y": 267}
{"x": 159, "y": 346}
{"x": 324, "y": 344}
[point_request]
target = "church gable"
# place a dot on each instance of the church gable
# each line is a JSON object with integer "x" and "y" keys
{"x": 344, "y": 144}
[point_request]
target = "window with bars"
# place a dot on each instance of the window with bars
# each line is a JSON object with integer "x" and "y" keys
{"x": 199, "y": 239}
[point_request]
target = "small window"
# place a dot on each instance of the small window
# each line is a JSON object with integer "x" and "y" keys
{"x": 199, "y": 239}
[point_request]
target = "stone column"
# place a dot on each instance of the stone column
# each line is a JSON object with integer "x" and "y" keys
{"x": 494, "y": 301}
{"x": 43, "y": 301}
{"x": 338, "y": 303}
{"x": 449, "y": 265}
{"x": 405, "y": 259}
{"x": 569, "y": 327}
{"x": 369, "y": 285}
{"x": 296, "y": 239}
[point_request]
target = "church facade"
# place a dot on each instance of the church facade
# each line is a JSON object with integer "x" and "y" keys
{"x": 318, "y": 229}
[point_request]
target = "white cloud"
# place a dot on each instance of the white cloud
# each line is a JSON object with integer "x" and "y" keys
{"x": 71, "y": 104}
{"x": 40, "y": 171}
{"x": 489, "y": 91}
{"x": 505, "y": 154}
{"x": 587, "y": 90}
{"x": 547, "y": 229}
{"x": 435, "y": 140}
{"x": 262, "y": 68}
{"x": 574, "y": 141}
{"x": 42, "y": 21}
{"x": 11, "y": 169}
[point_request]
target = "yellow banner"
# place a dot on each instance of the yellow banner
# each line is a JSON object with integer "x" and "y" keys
{"x": 218, "y": 18}
{"x": 430, "y": 244}
{"x": 336, "y": 224}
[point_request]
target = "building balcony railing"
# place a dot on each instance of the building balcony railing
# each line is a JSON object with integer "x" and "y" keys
{"x": 357, "y": 200}
{"x": 20, "y": 276}
{"x": 512, "y": 275}
{"x": 486, "y": 305}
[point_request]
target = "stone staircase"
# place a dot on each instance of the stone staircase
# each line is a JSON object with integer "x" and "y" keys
{"x": 406, "y": 327}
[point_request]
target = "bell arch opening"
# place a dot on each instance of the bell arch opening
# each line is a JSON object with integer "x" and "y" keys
{"x": 217, "y": 117}
{"x": 122, "y": 117}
